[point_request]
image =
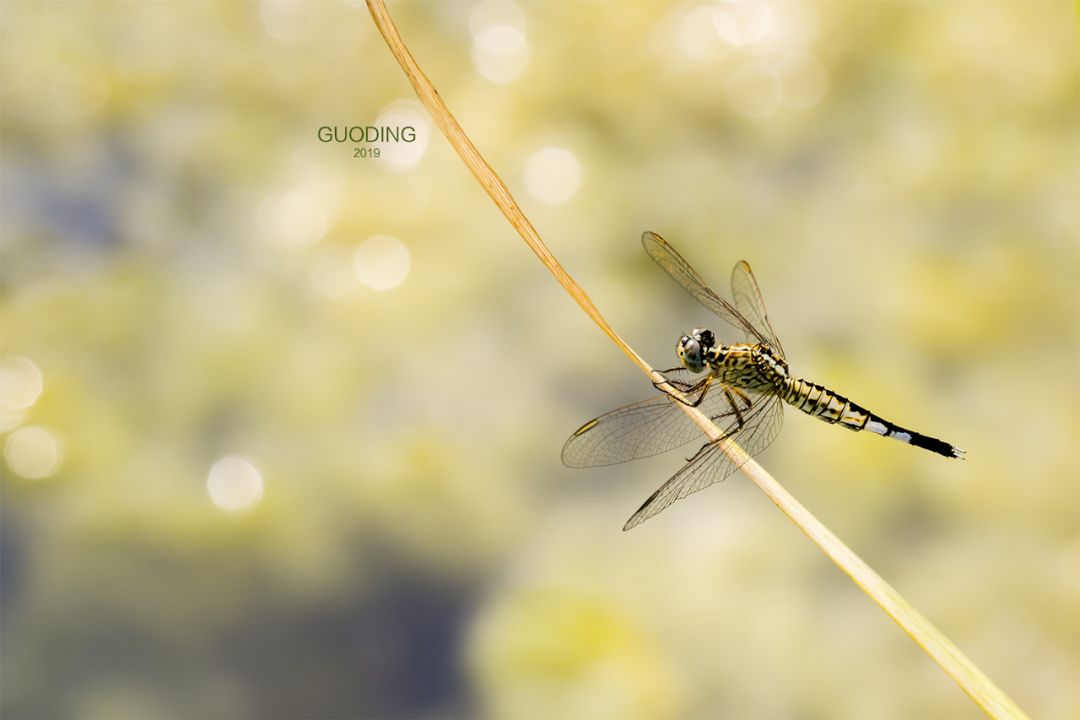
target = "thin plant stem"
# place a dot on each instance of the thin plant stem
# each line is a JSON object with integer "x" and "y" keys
{"x": 967, "y": 675}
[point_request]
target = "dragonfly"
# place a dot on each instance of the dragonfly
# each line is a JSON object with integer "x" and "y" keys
{"x": 743, "y": 391}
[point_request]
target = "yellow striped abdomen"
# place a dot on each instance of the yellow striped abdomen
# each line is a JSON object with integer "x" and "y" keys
{"x": 824, "y": 404}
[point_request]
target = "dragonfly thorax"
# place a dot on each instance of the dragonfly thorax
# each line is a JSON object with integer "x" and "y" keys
{"x": 696, "y": 349}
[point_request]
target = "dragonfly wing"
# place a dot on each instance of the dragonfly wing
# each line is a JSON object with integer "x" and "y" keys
{"x": 711, "y": 464}
{"x": 750, "y": 304}
{"x": 642, "y": 429}
{"x": 682, "y": 273}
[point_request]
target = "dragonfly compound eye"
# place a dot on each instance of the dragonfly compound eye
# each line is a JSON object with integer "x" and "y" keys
{"x": 689, "y": 351}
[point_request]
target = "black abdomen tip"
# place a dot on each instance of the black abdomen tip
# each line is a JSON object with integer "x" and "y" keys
{"x": 937, "y": 446}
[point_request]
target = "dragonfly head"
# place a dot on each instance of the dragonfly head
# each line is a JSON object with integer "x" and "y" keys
{"x": 694, "y": 348}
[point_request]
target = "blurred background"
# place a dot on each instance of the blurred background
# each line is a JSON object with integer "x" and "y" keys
{"x": 281, "y": 425}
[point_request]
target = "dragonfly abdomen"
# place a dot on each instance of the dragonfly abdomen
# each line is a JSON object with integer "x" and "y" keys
{"x": 833, "y": 408}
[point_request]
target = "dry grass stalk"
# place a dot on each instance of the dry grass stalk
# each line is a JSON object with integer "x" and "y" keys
{"x": 972, "y": 680}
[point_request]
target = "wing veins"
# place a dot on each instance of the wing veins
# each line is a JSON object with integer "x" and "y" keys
{"x": 642, "y": 429}
{"x": 711, "y": 464}
{"x": 679, "y": 270}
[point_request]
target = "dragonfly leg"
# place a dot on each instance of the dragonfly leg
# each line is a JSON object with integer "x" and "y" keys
{"x": 740, "y": 422}
{"x": 686, "y": 390}
{"x": 697, "y": 392}
{"x": 745, "y": 398}
{"x": 700, "y": 451}
{"x": 704, "y": 385}
{"x": 734, "y": 405}
{"x": 679, "y": 385}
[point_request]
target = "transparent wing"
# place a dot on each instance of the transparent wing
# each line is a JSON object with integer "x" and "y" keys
{"x": 646, "y": 428}
{"x": 748, "y": 301}
{"x": 711, "y": 464}
{"x": 680, "y": 271}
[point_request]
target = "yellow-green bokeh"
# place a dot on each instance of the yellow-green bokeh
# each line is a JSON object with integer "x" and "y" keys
{"x": 281, "y": 425}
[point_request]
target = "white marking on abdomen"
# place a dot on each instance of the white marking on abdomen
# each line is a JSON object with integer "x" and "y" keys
{"x": 875, "y": 427}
